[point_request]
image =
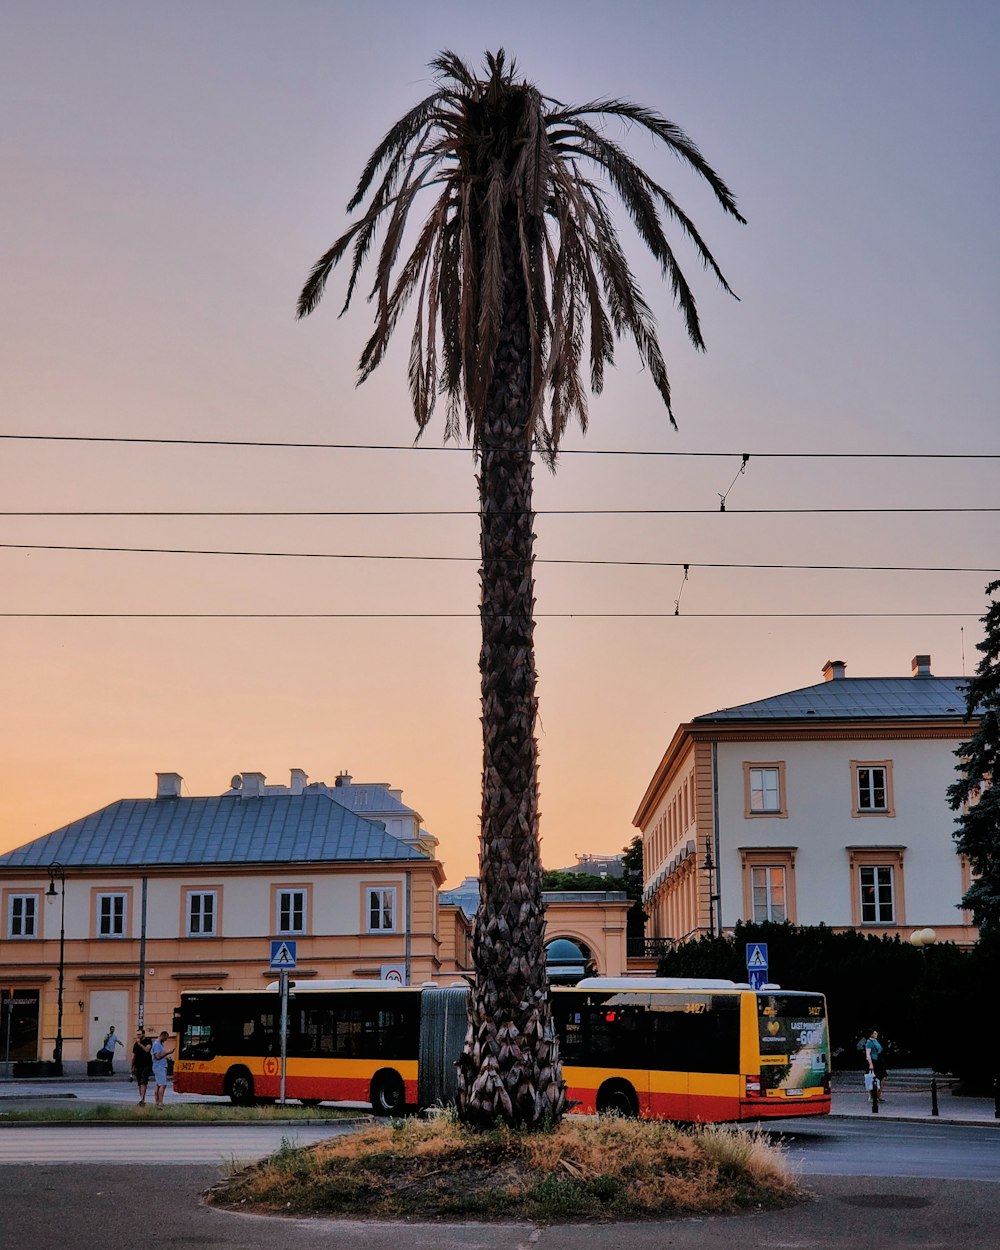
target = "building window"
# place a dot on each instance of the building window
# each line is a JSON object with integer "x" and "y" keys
{"x": 768, "y": 893}
{"x": 768, "y": 883}
{"x": 381, "y": 909}
{"x": 764, "y": 789}
{"x": 872, "y": 781}
{"x": 877, "y": 885}
{"x": 112, "y": 914}
{"x": 22, "y": 916}
{"x": 291, "y": 911}
{"x": 202, "y": 910}
{"x": 876, "y": 894}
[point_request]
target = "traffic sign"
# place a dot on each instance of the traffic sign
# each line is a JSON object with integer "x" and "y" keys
{"x": 757, "y": 963}
{"x": 283, "y": 954}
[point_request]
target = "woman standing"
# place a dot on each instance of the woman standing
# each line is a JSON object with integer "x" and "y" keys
{"x": 142, "y": 1063}
{"x": 875, "y": 1054}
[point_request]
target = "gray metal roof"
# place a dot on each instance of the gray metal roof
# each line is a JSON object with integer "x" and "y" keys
{"x": 274, "y": 829}
{"x": 855, "y": 698}
{"x": 464, "y": 895}
{"x": 369, "y": 796}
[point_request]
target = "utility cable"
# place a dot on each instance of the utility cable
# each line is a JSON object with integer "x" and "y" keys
{"x": 563, "y": 451}
{"x": 570, "y": 560}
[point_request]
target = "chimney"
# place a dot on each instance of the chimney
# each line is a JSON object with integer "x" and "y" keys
{"x": 253, "y": 785}
{"x": 921, "y": 666}
{"x": 168, "y": 785}
{"x": 299, "y": 780}
{"x": 343, "y": 779}
{"x": 834, "y": 670}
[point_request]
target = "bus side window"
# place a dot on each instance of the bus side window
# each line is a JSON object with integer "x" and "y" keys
{"x": 702, "y": 1040}
{"x": 617, "y": 1037}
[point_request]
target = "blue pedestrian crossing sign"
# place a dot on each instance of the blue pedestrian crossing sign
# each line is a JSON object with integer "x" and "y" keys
{"x": 757, "y": 963}
{"x": 282, "y": 954}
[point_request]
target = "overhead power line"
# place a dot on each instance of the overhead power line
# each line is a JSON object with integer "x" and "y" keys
{"x": 445, "y": 616}
{"x": 570, "y": 560}
{"x": 452, "y": 449}
{"x": 474, "y": 512}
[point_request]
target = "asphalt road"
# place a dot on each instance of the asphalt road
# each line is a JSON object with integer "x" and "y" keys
{"x": 841, "y": 1147}
{"x": 879, "y": 1184}
{"x": 894, "y": 1148}
{"x": 90, "y": 1207}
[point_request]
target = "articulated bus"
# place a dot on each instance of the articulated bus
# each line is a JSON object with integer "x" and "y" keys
{"x": 668, "y": 1048}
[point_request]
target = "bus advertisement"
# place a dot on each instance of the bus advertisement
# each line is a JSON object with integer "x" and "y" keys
{"x": 664, "y": 1048}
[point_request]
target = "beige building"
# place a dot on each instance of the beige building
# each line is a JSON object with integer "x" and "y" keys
{"x": 822, "y": 805}
{"x": 158, "y": 895}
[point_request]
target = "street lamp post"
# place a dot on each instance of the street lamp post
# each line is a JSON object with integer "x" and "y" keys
{"x": 57, "y": 870}
{"x": 713, "y": 896}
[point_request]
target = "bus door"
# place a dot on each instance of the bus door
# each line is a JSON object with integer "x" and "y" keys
{"x": 669, "y": 1062}
{"x": 696, "y": 1051}
{"x": 617, "y": 1047}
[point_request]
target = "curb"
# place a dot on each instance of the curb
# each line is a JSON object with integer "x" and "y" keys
{"x": 913, "y": 1119}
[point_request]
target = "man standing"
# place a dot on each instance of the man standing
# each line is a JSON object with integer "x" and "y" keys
{"x": 142, "y": 1063}
{"x": 159, "y": 1056}
{"x": 111, "y": 1041}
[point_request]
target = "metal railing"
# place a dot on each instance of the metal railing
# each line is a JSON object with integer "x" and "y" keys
{"x": 649, "y": 947}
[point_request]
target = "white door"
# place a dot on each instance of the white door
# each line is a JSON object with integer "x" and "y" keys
{"x": 107, "y": 1008}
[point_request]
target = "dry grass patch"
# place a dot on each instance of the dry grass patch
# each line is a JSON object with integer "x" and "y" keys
{"x": 606, "y": 1169}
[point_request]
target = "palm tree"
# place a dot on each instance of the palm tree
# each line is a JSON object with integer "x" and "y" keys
{"x": 518, "y": 274}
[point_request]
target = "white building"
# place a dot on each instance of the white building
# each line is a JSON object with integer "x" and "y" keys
{"x": 822, "y": 805}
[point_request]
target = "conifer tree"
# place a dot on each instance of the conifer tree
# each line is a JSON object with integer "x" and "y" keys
{"x": 975, "y": 795}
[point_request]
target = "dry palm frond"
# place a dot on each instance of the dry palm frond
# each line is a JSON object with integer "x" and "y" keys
{"x": 508, "y": 163}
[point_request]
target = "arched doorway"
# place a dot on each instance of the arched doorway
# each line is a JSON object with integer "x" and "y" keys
{"x": 566, "y": 962}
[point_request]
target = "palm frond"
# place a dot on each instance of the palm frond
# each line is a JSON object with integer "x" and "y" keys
{"x": 672, "y": 135}
{"x": 393, "y": 146}
{"x": 520, "y": 215}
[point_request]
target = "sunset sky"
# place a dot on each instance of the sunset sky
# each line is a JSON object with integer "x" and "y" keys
{"x": 171, "y": 171}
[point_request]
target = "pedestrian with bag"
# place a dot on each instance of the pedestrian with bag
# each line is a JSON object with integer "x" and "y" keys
{"x": 875, "y": 1057}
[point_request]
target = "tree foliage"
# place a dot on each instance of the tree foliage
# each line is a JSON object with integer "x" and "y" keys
{"x": 557, "y": 879}
{"x": 635, "y": 923}
{"x": 502, "y": 157}
{"x": 930, "y": 1002}
{"x": 975, "y": 796}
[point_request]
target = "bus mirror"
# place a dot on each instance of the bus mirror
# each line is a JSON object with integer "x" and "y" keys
{"x": 177, "y": 1024}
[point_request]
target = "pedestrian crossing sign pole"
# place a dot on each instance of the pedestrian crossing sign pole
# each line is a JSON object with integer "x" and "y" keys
{"x": 283, "y": 958}
{"x": 757, "y": 964}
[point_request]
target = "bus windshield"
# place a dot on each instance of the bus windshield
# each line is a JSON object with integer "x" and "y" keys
{"x": 794, "y": 1042}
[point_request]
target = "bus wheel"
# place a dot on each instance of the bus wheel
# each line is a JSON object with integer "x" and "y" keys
{"x": 239, "y": 1087}
{"x": 617, "y": 1098}
{"x": 310, "y": 1102}
{"x": 387, "y": 1094}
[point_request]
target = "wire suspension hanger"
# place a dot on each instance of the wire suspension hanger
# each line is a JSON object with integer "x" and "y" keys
{"x": 742, "y": 469}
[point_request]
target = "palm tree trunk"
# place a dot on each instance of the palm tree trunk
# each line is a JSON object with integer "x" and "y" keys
{"x": 510, "y": 1070}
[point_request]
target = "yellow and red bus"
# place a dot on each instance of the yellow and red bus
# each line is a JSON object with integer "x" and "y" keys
{"x": 670, "y": 1048}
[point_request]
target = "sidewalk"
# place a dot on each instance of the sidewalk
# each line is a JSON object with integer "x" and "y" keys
{"x": 908, "y": 1097}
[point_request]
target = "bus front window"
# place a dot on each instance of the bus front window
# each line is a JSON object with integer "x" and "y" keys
{"x": 794, "y": 1041}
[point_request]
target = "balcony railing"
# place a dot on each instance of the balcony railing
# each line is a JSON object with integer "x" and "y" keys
{"x": 649, "y": 947}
